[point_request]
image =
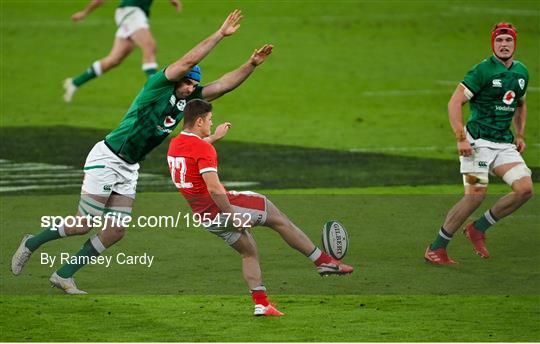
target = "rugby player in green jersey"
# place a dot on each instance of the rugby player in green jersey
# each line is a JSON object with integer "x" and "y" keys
{"x": 133, "y": 30}
{"x": 495, "y": 89}
{"x": 111, "y": 168}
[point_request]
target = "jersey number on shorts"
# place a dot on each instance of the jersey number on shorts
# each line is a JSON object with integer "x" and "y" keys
{"x": 178, "y": 164}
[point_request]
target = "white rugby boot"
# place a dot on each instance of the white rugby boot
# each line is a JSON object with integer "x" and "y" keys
{"x": 69, "y": 90}
{"x": 269, "y": 310}
{"x": 67, "y": 285}
{"x": 21, "y": 256}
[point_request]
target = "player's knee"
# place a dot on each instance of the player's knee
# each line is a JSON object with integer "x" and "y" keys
{"x": 523, "y": 190}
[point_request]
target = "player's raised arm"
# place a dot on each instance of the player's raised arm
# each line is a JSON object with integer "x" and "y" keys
{"x": 232, "y": 80}
{"x": 455, "y": 115}
{"x": 87, "y": 10}
{"x": 520, "y": 118}
{"x": 177, "y": 70}
{"x": 217, "y": 192}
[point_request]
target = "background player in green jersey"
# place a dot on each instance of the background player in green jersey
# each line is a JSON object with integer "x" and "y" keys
{"x": 496, "y": 90}
{"x": 111, "y": 167}
{"x": 133, "y": 29}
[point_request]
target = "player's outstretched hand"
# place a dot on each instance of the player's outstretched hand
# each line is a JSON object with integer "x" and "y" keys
{"x": 232, "y": 23}
{"x": 464, "y": 148}
{"x": 222, "y": 130}
{"x": 259, "y": 55}
{"x": 520, "y": 145}
{"x": 78, "y": 16}
{"x": 177, "y": 5}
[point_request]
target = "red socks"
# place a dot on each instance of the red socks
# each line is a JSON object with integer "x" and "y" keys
{"x": 260, "y": 297}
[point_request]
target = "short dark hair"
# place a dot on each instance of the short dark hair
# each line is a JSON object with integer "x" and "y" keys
{"x": 195, "y": 108}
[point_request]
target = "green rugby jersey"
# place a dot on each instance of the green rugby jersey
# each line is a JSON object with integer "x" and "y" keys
{"x": 496, "y": 90}
{"x": 152, "y": 116}
{"x": 142, "y": 4}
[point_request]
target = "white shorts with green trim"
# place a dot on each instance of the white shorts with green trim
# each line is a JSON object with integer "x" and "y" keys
{"x": 104, "y": 173}
{"x": 487, "y": 156}
{"x": 129, "y": 20}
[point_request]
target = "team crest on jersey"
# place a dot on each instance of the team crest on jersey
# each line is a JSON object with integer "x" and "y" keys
{"x": 496, "y": 83}
{"x": 521, "y": 83}
{"x": 509, "y": 97}
{"x": 181, "y": 105}
{"x": 169, "y": 121}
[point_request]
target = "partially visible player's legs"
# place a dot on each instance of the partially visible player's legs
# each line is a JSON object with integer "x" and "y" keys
{"x": 475, "y": 193}
{"x": 517, "y": 175}
{"x": 117, "y": 206}
{"x": 143, "y": 39}
{"x": 120, "y": 50}
{"x": 251, "y": 269}
{"x": 80, "y": 226}
{"x": 522, "y": 189}
{"x": 298, "y": 240}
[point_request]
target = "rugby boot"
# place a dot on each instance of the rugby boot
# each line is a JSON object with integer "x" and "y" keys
{"x": 478, "y": 239}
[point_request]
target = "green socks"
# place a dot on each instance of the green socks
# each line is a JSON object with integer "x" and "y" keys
{"x": 44, "y": 236}
{"x": 91, "y": 72}
{"x": 485, "y": 221}
{"x": 442, "y": 240}
{"x": 91, "y": 248}
{"x": 149, "y": 68}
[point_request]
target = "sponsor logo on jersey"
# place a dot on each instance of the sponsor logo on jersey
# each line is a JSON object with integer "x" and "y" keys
{"x": 505, "y": 108}
{"x": 172, "y": 100}
{"x": 509, "y": 97}
{"x": 169, "y": 121}
{"x": 164, "y": 130}
{"x": 496, "y": 83}
{"x": 482, "y": 164}
{"x": 521, "y": 83}
{"x": 107, "y": 187}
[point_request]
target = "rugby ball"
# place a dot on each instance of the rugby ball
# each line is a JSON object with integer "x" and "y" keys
{"x": 335, "y": 239}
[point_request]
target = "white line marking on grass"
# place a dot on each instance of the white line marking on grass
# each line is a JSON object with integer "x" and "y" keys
{"x": 403, "y": 93}
{"x": 26, "y": 176}
{"x": 239, "y": 184}
{"x": 45, "y": 175}
{"x": 401, "y": 149}
{"x": 413, "y": 149}
{"x": 31, "y": 166}
{"x": 36, "y": 187}
{"x": 455, "y": 83}
{"x": 496, "y": 10}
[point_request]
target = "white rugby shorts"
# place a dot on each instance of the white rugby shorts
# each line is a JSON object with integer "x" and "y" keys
{"x": 488, "y": 155}
{"x": 130, "y": 19}
{"x": 249, "y": 206}
{"x": 104, "y": 173}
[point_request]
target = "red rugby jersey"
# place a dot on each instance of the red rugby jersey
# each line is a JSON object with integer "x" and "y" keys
{"x": 189, "y": 157}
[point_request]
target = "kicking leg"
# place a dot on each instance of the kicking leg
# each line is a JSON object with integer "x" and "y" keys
{"x": 298, "y": 240}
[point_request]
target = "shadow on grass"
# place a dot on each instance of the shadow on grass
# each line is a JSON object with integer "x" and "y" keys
{"x": 273, "y": 166}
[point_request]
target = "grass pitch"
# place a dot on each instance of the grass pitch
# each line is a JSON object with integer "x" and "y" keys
{"x": 354, "y": 97}
{"x": 393, "y": 295}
